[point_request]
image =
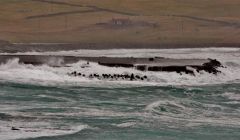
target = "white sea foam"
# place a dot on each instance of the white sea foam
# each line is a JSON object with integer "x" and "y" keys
{"x": 230, "y": 57}
{"x": 156, "y": 104}
{"x": 126, "y": 124}
{"x": 34, "y": 130}
{"x": 178, "y": 111}
{"x": 232, "y": 96}
{"x": 92, "y": 112}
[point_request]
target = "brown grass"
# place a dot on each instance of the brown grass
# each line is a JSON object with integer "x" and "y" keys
{"x": 182, "y": 21}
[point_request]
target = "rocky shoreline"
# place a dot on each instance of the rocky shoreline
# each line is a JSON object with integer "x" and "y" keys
{"x": 156, "y": 64}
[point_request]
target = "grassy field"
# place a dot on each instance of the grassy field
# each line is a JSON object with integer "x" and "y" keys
{"x": 89, "y": 21}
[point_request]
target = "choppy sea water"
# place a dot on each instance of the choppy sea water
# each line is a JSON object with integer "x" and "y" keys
{"x": 45, "y": 103}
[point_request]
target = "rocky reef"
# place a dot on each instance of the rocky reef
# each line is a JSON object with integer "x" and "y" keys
{"x": 105, "y": 76}
{"x": 156, "y": 64}
{"x": 173, "y": 65}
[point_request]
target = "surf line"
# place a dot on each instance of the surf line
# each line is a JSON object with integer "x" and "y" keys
{"x": 155, "y": 64}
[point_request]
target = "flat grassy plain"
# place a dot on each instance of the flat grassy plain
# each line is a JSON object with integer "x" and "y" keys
{"x": 176, "y": 22}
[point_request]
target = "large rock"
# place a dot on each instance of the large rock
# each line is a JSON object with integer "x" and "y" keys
{"x": 156, "y": 64}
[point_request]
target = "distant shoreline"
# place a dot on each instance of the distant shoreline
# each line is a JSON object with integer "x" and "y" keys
{"x": 41, "y": 47}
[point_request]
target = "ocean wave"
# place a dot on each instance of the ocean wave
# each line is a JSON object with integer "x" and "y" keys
{"x": 13, "y": 71}
{"x": 125, "y": 124}
{"x": 181, "y": 53}
{"x": 35, "y": 130}
{"x": 190, "y": 113}
{"x": 232, "y": 96}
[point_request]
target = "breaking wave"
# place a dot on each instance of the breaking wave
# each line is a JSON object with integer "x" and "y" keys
{"x": 13, "y": 71}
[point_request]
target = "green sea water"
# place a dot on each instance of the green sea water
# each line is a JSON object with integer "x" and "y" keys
{"x": 45, "y": 103}
{"x": 120, "y": 113}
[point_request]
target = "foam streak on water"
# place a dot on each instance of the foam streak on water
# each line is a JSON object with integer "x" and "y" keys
{"x": 45, "y": 103}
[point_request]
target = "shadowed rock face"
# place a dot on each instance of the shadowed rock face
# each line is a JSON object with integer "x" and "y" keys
{"x": 116, "y": 65}
{"x": 210, "y": 67}
{"x": 170, "y": 65}
{"x": 156, "y": 64}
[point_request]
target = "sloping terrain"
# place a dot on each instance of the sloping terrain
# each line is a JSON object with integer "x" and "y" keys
{"x": 135, "y": 22}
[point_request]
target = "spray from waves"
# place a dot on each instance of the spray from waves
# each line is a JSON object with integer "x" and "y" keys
{"x": 13, "y": 71}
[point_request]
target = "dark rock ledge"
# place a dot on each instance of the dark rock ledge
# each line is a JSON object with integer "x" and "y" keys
{"x": 156, "y": 64}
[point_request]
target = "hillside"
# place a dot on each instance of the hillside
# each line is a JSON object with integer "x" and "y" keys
{"x": 121, "y": 21}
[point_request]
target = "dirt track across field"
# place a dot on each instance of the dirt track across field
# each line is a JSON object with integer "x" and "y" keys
{"x": 88, "y": 6}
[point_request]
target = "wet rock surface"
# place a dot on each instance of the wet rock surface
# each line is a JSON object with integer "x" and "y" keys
{"x": 106, "y": 76}
{"x": 15, "y": 129}
{"x": 209, "y": 66}
{"x": 155, "y": 64}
